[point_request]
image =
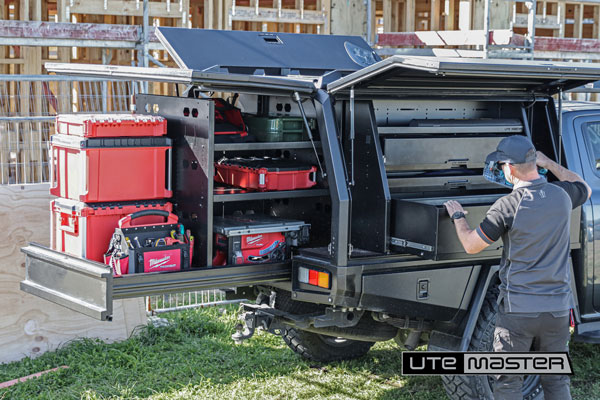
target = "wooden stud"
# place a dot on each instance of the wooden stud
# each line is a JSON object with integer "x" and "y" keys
{"x": 562, "y": 16}
{"x": 435, "y": 15}
{"x": 409, "y": 15}
{"x": 578, "y": 22}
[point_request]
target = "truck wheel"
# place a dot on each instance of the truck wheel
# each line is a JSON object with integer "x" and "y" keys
{"x": 477, "y": 387}
{"x": 321, "y": 348}
{"x": 314, "y": 346}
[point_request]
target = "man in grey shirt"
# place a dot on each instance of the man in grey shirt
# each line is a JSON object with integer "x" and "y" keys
{"x": 535, "y": 283}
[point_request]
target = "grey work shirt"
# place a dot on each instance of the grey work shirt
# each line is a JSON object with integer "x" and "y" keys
{"x": 534, "y": 222}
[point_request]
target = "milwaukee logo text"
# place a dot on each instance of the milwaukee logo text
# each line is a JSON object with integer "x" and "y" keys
{"x": 461, "y": 363}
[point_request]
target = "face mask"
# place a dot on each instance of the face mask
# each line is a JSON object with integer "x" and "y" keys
{"x": 493, "y": 173}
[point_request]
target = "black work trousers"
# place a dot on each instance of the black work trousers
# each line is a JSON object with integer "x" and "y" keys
{"x": 517, "y": 333}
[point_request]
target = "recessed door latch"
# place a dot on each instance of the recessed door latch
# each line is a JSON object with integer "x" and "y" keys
{"x": 422, "y": 289}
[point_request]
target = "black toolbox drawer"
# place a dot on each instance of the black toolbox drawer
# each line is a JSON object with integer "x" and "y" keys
{"x": 424, "y": 228}
{"x": 437, "y": 153}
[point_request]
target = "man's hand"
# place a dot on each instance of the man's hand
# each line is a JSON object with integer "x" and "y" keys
{"x": 559, "y": 171}
{"x": 453, "y": 206}
{"x": 542, "y": 160}
{"x": 470, "y": 240}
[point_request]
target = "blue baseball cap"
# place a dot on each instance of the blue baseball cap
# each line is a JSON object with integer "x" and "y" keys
{"x": 515, "y": 149}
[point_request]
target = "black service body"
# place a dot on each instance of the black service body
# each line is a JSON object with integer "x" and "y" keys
{"x": 395, "y": 137}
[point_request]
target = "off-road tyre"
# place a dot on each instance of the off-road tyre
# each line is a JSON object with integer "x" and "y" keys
{"x": 321, "y": 348}
{"x": 314, "y": 346}
{"x": 478, "y": 387}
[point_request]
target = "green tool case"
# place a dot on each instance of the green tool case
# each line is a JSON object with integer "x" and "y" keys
{"x": 278, "y": 129}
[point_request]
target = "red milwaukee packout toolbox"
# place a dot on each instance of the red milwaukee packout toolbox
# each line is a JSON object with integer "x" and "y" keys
{"x": 265, "y": 174}
{"x": 149, "y": 247}
{"x": 110, "y": 125}
{"x": 256, "y": 239}
{"x": 85, "y": 230}
{"x": 110, "y": 169}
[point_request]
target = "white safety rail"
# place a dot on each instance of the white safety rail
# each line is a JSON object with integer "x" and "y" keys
{"x": 186, "y": 301}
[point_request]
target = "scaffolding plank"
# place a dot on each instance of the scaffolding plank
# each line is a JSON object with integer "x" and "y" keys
{"x": 291, "y": 16}
{"x": 126, "y": 7}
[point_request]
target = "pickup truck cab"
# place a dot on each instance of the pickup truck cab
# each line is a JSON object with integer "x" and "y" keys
{"x": 395, "y": 139}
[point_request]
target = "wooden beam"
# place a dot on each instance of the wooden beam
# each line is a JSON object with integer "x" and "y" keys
{"x": 387, "y": 16}
{"x": 435, "y": 15}
{"x": 464, "y": 15}
{"x": 126, "y": 7}
{"x": 450, "y": 25}
{"x": 40, "y": 33}
{"x": 324, "y": 6}
{"x": 248, "y": 14}
{"x": 562, "y": 16}
{"x": 596, "y": 29}
{"x": 578, "y": 21}
{"x": 65, "y": 30}
{"x": 409, "y": 15}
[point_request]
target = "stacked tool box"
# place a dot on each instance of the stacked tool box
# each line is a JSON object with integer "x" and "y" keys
{"x": 105, "y": 167}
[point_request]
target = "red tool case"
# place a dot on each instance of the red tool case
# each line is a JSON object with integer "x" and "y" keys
{"x": 229, "y": 124}
{"x": 256, "y": 239}
{"x": 110, "y": 169}
{"x": 149, "y": 247}
{"x": 265, "y": 174}
{"x": 110, "y": 125}
{"x": 85, "y": 230}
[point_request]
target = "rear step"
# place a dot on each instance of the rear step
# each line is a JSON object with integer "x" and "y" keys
{"x": 88, "y": 287}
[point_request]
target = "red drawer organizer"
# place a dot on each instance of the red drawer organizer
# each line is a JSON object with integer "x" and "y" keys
{"x": 85, "y": 230}
{"x": 265, "y": 174}
{"x": 110, "y": 169}
{"x": 110, "y": 125}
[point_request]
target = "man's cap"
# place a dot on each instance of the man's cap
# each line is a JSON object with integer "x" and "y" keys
{"x": 515, "y": 149}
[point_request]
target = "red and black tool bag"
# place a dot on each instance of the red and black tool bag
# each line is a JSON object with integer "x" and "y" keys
{"x": 137, "y": 256}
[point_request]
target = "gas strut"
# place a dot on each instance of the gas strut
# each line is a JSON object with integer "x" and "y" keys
{"x": 560, "y": 128}
{"x": 298, "y": 100}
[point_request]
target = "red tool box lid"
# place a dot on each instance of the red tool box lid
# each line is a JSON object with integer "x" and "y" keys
{"x": 76, "y": 142}
{"x": 270, "y": 164}
{"x": 127, "y": 207}
{"x": 108, "y": 125}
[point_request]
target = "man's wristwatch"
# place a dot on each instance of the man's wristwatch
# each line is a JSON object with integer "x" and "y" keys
{"x": 457, "y": 215}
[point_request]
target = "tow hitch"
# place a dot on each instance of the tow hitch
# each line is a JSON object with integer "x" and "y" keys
{"x": 260, "y": 317}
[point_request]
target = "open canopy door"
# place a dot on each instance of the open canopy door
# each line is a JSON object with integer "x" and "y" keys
{"x": 265, "y": 53}
{"x": 459, "y": 76}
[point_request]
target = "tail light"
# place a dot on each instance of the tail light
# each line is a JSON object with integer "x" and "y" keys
{"x": 314, "y": 277}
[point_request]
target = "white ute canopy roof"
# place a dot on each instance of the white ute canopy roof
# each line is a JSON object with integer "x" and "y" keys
{"x": 403, "y": 76}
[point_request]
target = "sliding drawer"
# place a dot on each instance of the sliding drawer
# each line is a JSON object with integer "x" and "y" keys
{"x": 424, "y": 228}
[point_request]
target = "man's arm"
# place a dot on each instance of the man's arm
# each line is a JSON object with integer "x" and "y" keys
{"x": 560, "y": 172}
{"x": 468, "y": 237}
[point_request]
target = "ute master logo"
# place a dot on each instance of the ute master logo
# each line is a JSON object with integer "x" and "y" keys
{"x": 481, "y": 363}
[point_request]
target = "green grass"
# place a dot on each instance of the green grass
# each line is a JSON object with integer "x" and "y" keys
{"x": 194, "y": 358}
